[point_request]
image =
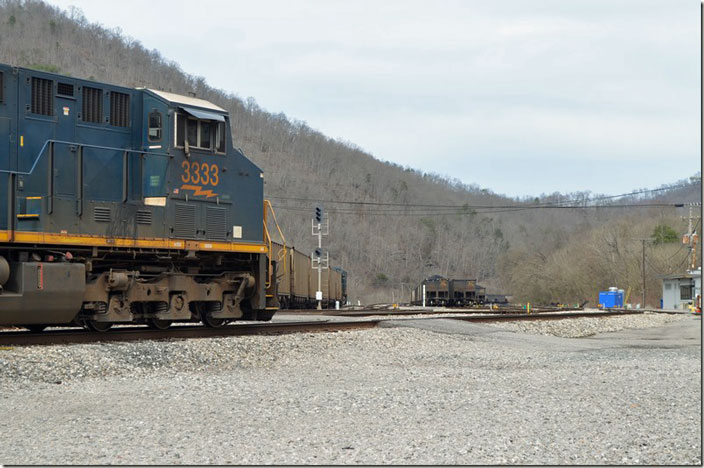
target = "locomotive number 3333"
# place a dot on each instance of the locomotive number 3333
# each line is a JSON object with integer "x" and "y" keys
{"x": 200, "y": 173}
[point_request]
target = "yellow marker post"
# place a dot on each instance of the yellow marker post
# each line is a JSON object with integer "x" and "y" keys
{"x": 528, "y": 308}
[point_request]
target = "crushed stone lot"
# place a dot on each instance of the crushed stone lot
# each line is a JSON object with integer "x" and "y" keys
{"x": 411, "y": 392}
{"x": 589, "y": 326}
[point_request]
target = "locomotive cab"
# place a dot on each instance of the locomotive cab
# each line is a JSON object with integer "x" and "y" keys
{"x": 197, "y": 182}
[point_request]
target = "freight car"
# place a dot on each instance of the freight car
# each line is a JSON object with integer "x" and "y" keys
{"x": 298, "y": 281}
{"x": 122, "y": 205}
{"x": 441, "y": 291}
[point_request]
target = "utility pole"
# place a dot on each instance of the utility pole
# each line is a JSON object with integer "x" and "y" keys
{"x": 691, "y": 237}
{"x": 318, "y": 260}
{"x": 643, "y": 275}
{"x": 647, "y": 239}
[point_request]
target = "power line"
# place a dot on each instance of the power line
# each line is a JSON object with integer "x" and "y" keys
{"x": 449, "y": 210}
{"x": 468, "y": 206}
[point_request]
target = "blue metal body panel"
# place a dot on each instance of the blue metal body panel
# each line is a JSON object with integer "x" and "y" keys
{"x": 93, "y": 175}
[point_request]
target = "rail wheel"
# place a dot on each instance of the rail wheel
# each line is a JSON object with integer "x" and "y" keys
{"x": 206, "y": 317}
{"x": 211, "y": 322}
{"x": 157, "y": 324}
{"x": 99, "y": 327}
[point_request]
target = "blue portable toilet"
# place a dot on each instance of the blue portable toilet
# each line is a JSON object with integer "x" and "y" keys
{"x": 611, "y": 298}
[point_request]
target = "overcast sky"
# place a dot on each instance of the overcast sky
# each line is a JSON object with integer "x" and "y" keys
{"x": 522, "y": 97}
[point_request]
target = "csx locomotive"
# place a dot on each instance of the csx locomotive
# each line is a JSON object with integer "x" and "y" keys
{"x": 122, "y": 205}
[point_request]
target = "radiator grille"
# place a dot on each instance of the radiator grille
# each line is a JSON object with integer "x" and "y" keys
{"x": 92, "y": 104}
{"x": 144, "y": 217}
{"x": 42, "y": 96}
{"x": 215, "y": 223}
{"x": 119, "y": 109}
{"x": 64, "y": 89}
{"x": 185, "y": 221}
{"x": 101, "y": 214}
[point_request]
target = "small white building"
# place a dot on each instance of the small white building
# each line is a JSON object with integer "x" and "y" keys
{"x": 679, "y": 291}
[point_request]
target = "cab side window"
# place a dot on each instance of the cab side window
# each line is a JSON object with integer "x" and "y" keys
{"x": 180, "y": 130}
{"x": 220, "y": 137}
{"x": 155, "y": 126}
{"x": 192, "y": 133}
{"x": 205, "y": 127}
{"x": 199, "y": 133}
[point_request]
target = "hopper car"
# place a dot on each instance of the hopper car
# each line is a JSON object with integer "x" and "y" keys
{"x": 441, "y": 291}
{"x": 298, "y": 281}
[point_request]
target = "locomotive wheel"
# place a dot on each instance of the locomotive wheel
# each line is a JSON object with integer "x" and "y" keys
{"x": 35, "y": 328}
{"x": 211, "y": 322}
{"x": 157, "y": 324}
{"x": 99, "y": 327}
{"x": 205, "y": 316}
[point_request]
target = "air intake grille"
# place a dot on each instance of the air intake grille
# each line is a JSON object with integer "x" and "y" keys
{"x": 185, "y": 222}
{"x": 101, "y": 214}
{"x": 144, "y": 217}
{"x": 42, "y": 96}
{"x": 215, "y": 223}
{"x": 92, "y": 104}
{"x": 65, "y": 89}
{"x": 119, "y": 109}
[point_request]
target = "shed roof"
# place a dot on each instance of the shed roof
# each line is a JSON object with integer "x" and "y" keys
{"x": 688, "y": 275}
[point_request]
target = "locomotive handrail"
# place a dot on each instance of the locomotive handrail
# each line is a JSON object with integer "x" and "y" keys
{"x": 267, "y": 237}
{"x": 46, "y": 143}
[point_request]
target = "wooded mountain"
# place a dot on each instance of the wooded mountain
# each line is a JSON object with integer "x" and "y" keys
{"x": 390, "y": 225}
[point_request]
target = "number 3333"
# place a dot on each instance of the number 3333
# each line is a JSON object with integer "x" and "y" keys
{"x": 200, "y": 173}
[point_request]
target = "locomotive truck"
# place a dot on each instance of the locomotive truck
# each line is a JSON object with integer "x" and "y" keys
{"x": 121, "y": 205}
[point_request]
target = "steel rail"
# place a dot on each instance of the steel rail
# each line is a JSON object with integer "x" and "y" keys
{"x": 547, "y": 316}
{"x": 430, "y": 312}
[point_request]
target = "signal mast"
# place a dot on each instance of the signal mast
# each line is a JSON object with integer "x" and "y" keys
{"x": 320, "y": 258}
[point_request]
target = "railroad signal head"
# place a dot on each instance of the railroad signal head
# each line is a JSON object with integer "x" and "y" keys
{"x": 318, "y": 214}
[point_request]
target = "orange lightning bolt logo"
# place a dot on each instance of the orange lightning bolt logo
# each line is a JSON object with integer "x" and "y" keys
{"x": 198, "y": 191}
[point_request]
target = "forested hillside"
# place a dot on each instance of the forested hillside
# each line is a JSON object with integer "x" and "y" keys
{"x": 390, "y": 226}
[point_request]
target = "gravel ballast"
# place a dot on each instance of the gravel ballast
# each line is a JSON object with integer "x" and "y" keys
{"x": 453, "y": 393}
{"x": 589, "y": 326}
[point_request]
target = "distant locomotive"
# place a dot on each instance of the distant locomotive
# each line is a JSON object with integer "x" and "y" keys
{"x": 122, "y": 205}
{"x": 440, "y": 291}
{"x": 298, "y": 281}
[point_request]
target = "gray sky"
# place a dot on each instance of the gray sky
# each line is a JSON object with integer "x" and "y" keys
{"x": 522, "y": 97}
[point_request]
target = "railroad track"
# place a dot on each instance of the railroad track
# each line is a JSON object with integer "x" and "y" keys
{"x": 135, "y": 333}
{"x": 429, "y": 312}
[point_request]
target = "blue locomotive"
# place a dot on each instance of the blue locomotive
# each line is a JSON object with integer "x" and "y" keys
{"x": 122, "y": 205}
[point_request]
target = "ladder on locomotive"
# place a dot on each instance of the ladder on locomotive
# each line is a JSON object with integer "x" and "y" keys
{"x": 281, "y": 257}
